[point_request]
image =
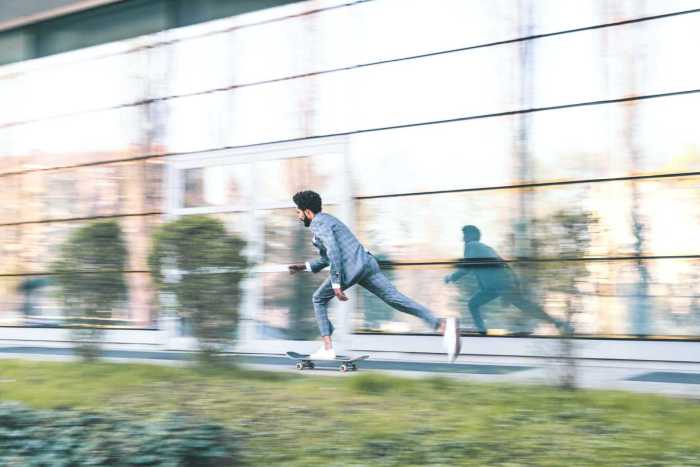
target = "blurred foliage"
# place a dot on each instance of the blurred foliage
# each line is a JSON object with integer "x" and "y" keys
{"x": 197, "y": 261}
{"x": 66, "y": 438}
{"x": 564, "y": 235}
{"x": 564, "y": 238}
{"x": 89, "y": 272}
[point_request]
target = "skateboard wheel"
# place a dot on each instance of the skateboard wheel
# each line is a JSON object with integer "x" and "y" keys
{"x": 300, "y": 366}
{"x": 343, "y": 368}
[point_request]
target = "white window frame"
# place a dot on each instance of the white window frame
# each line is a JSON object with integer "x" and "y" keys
{"x": 174, "y": 192}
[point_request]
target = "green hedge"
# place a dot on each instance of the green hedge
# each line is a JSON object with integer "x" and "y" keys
{"x": 66, "y": 437}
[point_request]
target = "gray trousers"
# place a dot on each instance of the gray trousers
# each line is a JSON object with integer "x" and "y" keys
{"x": 377, "y": 283}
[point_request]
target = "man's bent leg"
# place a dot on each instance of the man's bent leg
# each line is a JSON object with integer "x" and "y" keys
{"x": 380, "y": 286}
{"x": 482, "y": 297}
{"x": 320, "y": 299}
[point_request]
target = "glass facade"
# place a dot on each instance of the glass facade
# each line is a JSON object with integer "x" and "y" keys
{"x": 576, "y": 154}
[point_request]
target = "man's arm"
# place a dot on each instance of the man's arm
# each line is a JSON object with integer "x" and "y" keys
{"x": 457, "y": 275}
{"x": 462, "y": 270}
{"x": 319, "y": 263}
{"x": 310, "y": 266}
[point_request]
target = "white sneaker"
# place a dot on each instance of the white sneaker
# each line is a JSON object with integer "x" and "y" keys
{"x": 451, "y": 339}
{"x": 323, "y": 354}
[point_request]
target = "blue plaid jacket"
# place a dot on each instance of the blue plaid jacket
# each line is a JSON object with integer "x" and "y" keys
{"x": 339, "y": 249}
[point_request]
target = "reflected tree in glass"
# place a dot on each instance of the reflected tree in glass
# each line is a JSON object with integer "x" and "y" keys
{"x": 565, "y": 236}
{"x": 90, "y": 274}
{"x": 195, "y": 260}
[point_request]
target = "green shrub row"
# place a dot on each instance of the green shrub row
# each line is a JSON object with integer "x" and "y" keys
{"x": 31, "y": 437}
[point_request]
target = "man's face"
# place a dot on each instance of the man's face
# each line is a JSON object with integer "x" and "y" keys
{"x": 303, "y": 218}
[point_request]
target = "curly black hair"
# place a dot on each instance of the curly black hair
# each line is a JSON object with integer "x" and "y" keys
{"x": 308, "y": 200}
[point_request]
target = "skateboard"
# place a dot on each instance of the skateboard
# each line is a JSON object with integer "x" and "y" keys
{"x": 346, "y": 363}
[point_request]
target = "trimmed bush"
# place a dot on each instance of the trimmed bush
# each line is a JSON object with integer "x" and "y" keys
{"x": 67, "y": 437}
{"x": 89, "y": 272}
{"x": 195, "y": 260}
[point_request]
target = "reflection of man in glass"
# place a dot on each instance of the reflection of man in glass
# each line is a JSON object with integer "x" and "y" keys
{"x": 351, "y": 264}
{"x": 495, "y": 279}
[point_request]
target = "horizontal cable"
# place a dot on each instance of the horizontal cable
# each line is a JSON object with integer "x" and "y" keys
{"x": 79, "y": 219}
{"x": 534, "y": 185}
{"x": 85, "y": 164}
{"x": 397, "y": 264}
{"x": 34, "y": 274}
{"x": 487, "y": 262}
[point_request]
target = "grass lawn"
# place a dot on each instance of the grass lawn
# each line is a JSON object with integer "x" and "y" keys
{"x": 371, "y": 419}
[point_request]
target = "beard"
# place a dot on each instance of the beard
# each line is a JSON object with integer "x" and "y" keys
{"x": 306, "y": 221}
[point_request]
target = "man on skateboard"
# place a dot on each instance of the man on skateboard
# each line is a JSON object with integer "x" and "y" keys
{"x": 495, "y": 279}
{"x": 350, "y": 263}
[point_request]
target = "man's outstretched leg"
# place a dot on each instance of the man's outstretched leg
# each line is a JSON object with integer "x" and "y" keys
{"x": 379, "y": 285}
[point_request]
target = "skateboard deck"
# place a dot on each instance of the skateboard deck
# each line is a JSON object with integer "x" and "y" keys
{"x": 347, "y": 363}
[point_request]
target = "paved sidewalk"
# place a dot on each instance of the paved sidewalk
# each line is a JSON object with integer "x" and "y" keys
{"x": 675, "y": 379}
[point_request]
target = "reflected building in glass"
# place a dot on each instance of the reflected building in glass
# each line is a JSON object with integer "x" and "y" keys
{"x": 566, "y": 131}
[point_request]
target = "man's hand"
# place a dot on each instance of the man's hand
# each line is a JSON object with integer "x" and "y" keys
{"x": 340, "y": 295}
{"x": 294, "y": 268}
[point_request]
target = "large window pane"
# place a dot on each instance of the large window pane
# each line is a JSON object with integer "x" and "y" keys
{"x": 190, "y": 56}
{"x": 670, "y": 215}
{"x": 488, "y": 22}
{"x": 596, "y": 142}
{"x": 277, "y": 180}
{"x": 268, "y": 113}
{"x": 218, "y": 186}
{"x": 615, "y": 62}
{"x": 198, "y": 122}
{"x": 274, "y": 50}
{"x": 477, "y": 153}
{"x": 115, "y": 133}
{"x": 475, "y": 82}
{"x": 87, "y": 84}
{"x": 429, "y": 227}
{"x": 663, "y": 223}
